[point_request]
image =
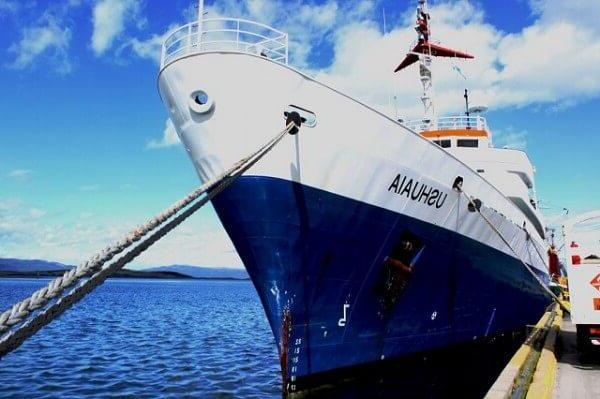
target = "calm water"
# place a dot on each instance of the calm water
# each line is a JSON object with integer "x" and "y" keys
{"x": 147, "y": 338}
{"x": 208, "y": 339}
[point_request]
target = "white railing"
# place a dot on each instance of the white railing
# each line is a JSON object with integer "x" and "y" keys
{"x": 225, "y": 34}
{"x": 448, "y": 123}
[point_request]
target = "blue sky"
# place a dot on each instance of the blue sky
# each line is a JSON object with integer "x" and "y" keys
{"x": 86, "y": 151}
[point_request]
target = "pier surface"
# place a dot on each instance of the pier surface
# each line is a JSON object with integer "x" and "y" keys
{"x": 576, "y": 378}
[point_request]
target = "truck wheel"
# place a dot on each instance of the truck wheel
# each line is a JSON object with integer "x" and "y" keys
{"x": 583, "y": 343}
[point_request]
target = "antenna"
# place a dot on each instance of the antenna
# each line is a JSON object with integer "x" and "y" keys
{"x": 459, "y": 71}
{"x": 384, "y": 25}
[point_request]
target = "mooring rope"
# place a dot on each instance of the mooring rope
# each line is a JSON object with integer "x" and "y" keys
{"x": 21, "y": 321}
{"x": 527, "y": 267}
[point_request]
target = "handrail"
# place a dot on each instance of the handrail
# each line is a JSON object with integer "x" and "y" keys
{"x": 448, "y": 123}
{"x": 230, "y": 34}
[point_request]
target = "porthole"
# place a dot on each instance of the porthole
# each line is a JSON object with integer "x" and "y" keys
{"x": 200, "y": 102}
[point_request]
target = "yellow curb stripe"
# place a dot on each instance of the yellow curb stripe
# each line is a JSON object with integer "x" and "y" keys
{"x": 542, "y": 383}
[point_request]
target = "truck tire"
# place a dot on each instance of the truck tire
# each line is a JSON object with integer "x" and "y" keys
{"x": 583, "y": 342}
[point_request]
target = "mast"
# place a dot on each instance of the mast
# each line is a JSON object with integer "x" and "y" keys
{"x": 422, "y": 28}
{"x": 423, "y": 52}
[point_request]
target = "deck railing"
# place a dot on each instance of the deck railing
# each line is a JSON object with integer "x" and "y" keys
{"x": 225, "y": 34}
{"x": 448, "y": 123}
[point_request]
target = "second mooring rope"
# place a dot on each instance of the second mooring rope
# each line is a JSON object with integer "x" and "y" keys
{"x": 22, "y": 321}
{"x": 529, "y": 269}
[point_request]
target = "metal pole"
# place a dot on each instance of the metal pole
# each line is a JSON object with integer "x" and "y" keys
{"x": 467, "y": 108}
{"x": 286, "y": 48}
{"x": 200, "y": 18}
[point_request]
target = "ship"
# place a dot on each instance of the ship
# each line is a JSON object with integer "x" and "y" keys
{"x": 367, "y": 238}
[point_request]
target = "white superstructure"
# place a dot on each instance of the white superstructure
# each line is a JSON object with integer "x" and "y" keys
{"x": 469, "y": 139}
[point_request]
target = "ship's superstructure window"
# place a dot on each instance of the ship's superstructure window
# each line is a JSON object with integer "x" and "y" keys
{"x": 473, "y": 143}
{"x": 442, "y": 143}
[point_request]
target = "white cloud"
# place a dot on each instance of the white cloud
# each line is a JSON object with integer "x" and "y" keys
{"x": 193, "y": 243}
{"x": 47, "y": 38}
{"x": 109, "y": 19}
{"x": 550, "y": 62}
{"x": 309, "y": 25}
{"x": 26, "y": 232}
{"x": 20, "y": 174}
{"x": 510, "y": 138}
{"x": 9, "y": 204}
{"x": 37, "y": 213}
{"x": 149, "y": 48}
{"x": 168, "y": 139}
{"x": 262, "y": 9}
{"x": 584, "y": 12}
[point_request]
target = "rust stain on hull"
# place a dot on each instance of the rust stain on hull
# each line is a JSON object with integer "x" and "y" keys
{"x": 286, "y": 327}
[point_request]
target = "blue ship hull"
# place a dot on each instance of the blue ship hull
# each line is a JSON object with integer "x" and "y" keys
{"x": 319, "y": 262}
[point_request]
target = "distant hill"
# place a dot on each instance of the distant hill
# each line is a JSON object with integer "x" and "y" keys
{"x": 10, "y": 267}
{"x": 203, "y": 272}
{"x": 30, "y": 265}
{"x": 123, "y": 273}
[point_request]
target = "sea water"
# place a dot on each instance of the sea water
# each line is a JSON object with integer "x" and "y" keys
{"x": 147, "y": 339}
{"x": 203, "y": 339}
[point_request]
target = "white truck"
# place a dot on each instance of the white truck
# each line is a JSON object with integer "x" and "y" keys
{"x": 582, "y": 251}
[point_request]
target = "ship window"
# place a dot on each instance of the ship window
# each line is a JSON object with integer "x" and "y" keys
{"x": 480, "y": 171}
{"x": 442, "y": 143}
{"x": 467, "y": 143}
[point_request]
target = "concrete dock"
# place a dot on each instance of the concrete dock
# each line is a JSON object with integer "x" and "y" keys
{"x": 575, "y": 379}
{"x": 548, "y": 365}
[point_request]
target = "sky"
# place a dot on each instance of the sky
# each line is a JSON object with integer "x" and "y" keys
{"x": 87, "y": 151}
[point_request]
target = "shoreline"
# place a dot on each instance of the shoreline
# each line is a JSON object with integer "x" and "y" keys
{"x": 122, "y": 274}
